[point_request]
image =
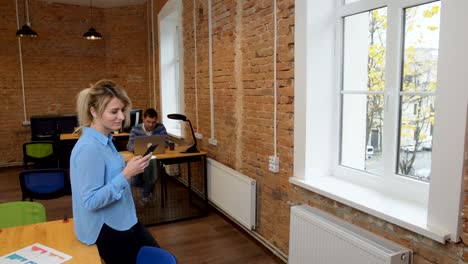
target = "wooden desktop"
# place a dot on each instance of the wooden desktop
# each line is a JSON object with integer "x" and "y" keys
{"x": 75, "y": 136}
{"x": 58, "y": 235}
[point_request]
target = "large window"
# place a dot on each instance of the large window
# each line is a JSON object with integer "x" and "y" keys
{"x": 171, "y": 64}
{"x": 364, "y": 91}
{"x": 383, "y": 127}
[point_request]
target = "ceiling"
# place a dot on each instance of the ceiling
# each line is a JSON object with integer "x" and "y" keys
{"x": 99, "y": 3}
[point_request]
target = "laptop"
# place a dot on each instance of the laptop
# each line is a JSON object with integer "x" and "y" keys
{"x": 142, "y": 143}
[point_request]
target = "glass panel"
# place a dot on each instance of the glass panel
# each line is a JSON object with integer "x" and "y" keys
{"x": 421, "y": 48}
{"x": 419, "y": 76}
{"x": 416, "y": 127}
{"x": 363, "y": 72}
{"x": 364, "y": 51}
{"x": 361, "y": 137}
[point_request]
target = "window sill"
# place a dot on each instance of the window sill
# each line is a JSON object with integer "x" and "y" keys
{"x": 176, "y": 136}
{"x": 407, "y": 215}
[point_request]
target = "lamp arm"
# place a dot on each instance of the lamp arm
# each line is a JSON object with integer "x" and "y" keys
{"x": 193, "y": 133}
{"x": 193, "y": 148}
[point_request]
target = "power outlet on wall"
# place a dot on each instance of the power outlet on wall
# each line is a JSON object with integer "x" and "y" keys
{"x": 273, "y": 164}
{"x": 26, "y": 123}
{"x": 213, "y": 141}
{"x": 198, "y": 135}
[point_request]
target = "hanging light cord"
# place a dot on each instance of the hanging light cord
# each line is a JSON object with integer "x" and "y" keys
{"x": 21, "y": 67}
{"x": 26, "y": 6}
{"x": 90, "y": 13}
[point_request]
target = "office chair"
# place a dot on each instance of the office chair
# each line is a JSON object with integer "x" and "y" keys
{"x": 42, "y": 154}
{"x": 44, "y": 184}
{"x": 153, "y": 255}
{"x": 21, "y": 213}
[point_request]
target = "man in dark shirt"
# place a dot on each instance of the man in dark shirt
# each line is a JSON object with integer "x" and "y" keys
{"x": 150, "y": 126}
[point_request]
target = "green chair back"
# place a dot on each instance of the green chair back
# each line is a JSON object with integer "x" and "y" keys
{"x": 39, "y": 150}
{"x": 21, "y": 213}
{"x": 41, "y": 154}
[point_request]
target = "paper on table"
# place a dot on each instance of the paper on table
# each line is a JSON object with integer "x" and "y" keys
{"x": 37, "y": 254}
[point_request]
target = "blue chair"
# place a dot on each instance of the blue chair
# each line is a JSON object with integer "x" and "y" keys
{"x": 44, "y": 184}
{"x": 154, "y": 255}
{"x": 21, "y": 213}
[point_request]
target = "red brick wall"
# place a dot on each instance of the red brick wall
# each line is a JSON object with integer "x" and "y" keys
{"x": 243, "y": 116}
{"x": 59, "y": 62}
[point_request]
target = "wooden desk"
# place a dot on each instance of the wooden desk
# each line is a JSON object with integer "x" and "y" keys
{"x": 55, "y": 234}
{"x": 168, "y": 154}
{"x": 175, "y": 157}
{"x": 74, "y": 136}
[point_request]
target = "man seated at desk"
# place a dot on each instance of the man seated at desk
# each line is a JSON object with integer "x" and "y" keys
{"x": 149, "y": 127}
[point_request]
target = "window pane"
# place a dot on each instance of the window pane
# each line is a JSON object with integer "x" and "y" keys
{"x": 421, "y": 48}
{"x": 351, "y": 1}
{"x": 419, "y": 82}
{"x": 363, "y": 82}
{"x": 416, "y": 136}
{"x": 361, "y": 137}
{"x": 364, "y": 51}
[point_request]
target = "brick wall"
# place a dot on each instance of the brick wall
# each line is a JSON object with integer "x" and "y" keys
{"x": 59, "y": 62}
{"x": 243, "y": 116}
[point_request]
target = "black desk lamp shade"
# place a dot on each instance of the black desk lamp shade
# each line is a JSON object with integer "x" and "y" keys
{"x": 193, "y": 148}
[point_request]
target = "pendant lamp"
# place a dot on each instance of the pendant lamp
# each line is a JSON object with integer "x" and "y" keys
{"x": 26, "y": 30}
{"x": 91, "y": 34}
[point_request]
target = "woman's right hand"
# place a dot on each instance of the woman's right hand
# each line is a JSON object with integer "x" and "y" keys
{"x": 136, "y": 165}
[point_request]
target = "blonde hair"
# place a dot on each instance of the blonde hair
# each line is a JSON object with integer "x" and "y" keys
{"x": 98, "y": 96}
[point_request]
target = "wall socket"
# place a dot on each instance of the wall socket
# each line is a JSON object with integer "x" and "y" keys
{"x": 198, "y": 135}
{"x": 26, "y": 123}
{"x": 273, "y": 164}
{"x": 213, "y": 141}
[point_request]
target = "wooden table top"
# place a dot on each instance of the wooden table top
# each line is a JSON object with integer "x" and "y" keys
{"x": 168, "y": 154}
{"x": 58, "y": 235}
{"x": 71, "y": 136}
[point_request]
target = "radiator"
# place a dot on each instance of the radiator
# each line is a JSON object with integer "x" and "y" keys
{"x": 233, "y": 193}
{"x": 320, "y": 238}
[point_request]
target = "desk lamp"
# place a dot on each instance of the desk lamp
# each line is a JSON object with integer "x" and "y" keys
{"x": 193, "y": 148}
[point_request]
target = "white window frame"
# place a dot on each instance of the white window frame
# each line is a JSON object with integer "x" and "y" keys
{"x": 317, "y": 110}
{"x": 171, "y": 63}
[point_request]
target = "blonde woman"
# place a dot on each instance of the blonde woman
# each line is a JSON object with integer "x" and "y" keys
{"x": 103, "y": 208}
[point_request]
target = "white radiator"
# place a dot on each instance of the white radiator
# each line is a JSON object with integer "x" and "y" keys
{"x": 320, "y": 238}
{"x": 232, "y": 192}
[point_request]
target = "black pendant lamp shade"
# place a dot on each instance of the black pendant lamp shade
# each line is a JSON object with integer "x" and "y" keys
{"x": 91, "y": 34}
{"x": 26, "y": 30}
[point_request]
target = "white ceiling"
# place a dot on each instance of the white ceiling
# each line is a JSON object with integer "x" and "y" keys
{"x": 99, "y": 3}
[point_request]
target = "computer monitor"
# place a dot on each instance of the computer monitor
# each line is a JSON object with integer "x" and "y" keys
{"x": 67, "y": 123}
{"x": 49, "y": 127}
{"x": 44, "y": 128}
{"x": 136, "y": 117}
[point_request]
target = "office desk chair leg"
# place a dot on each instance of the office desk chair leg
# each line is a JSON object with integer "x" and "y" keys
{"x": 163, "y": 175}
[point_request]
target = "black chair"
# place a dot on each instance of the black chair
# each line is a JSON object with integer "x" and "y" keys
{"x": 42, "y": 154}
{"x": 44, "y": 184}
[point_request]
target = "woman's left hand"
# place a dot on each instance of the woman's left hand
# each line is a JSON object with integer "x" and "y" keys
{"x": 136, "y": 165}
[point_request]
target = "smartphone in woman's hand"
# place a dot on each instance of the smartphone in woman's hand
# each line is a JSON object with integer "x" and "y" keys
{"x": 150, "y": 149}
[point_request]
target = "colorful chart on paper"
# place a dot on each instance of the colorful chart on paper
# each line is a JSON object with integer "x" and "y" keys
{"x": 35, "y": 254}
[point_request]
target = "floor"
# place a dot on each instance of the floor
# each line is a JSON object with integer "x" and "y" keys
{"x": 209, "y": 239}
